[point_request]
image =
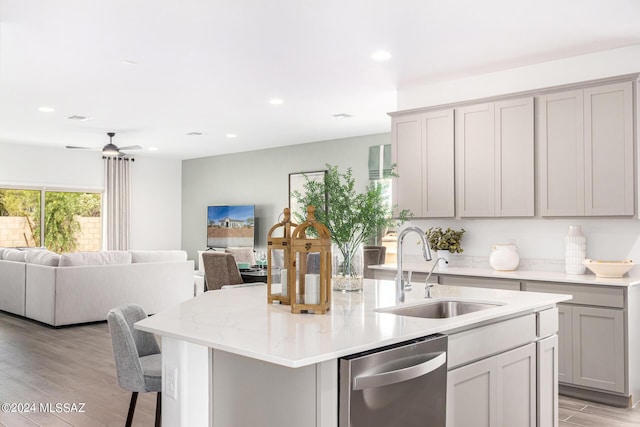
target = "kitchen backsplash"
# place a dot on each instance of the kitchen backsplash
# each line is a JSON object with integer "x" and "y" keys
{"x": 540, "y": 241}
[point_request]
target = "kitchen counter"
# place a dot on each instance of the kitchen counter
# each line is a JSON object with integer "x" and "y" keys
{"x": 523, "y": 275}
{"x": 240, "y": 321}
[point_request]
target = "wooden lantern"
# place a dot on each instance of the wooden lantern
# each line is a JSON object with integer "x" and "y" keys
{"x": 311, "y": 262}
{"x": 278, "y": 259}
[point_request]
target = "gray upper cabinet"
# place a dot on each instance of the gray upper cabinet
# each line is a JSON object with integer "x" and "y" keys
{"x": 495, "y": 160}
{"x": 586, "y": 152}
{"x": 423, "y": 152}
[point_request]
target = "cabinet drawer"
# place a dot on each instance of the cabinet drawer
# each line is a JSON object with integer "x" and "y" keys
{"x": 480, "y": 282}
{"x": 478, "y": 343}
{"x": 582, "y": 294}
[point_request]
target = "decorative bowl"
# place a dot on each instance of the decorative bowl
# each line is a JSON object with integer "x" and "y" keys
{"x": 609, "y": 269}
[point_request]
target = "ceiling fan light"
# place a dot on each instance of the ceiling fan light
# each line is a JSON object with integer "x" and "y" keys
{"x": 110, "y": 150}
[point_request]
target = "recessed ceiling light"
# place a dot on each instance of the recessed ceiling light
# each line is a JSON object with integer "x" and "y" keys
{"x": 152, "y": 148}
{"x": 342, "y": 116}
{"x": 231, "y": 135}
{"x": 381, "y": 55}
{"x": 276, "y": 101}
{"x": 195, "y": 134}
{"x": 128, "y": 62}
{"x": 46, "y": 109}
{"x": 79, "y": 118}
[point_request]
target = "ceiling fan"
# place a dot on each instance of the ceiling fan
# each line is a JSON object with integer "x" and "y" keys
{"x": 110, "y": 149}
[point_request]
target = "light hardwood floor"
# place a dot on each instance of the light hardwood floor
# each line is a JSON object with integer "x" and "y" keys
{"x": 39, "y": 364}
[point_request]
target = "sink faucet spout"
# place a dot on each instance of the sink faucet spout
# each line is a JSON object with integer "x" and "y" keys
{"x": 426, "y": 253}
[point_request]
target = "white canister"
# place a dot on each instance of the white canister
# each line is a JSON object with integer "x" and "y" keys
{"x": 504, "y": 257}
{"x": 575, "y": 251}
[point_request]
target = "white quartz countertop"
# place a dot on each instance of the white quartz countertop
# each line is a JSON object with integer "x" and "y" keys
{"x": 240, "y": 321}
{"x": 532, "y": 275}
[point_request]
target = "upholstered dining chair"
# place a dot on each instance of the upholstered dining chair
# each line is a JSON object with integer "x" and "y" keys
{"x": 220, "y": 269}
{"x": 137, "y": 356}
{"x": 242, "y": 254}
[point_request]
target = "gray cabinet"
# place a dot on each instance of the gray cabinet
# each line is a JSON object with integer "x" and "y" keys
{"x": 547, "y": 359}
{"x": 565, "y": 344}
{"x": 591, "y": 335}
{"x": 423, "y": 150}
{"x": 496, "y": 391}
{"x": 598, "y": 348}
{"x": 586, "y": 152}
{"x": 495, "y": 160}
{"x": 480, "y": 282}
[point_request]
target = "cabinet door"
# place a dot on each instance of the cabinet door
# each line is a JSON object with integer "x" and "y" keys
{"x": 471, "y": 395}
{"x": 608, "y": 112}
{"x": 565, "y": 346}
{"x": 547, "y": 358}
{"x": 598, "y": 348}
{"x": 438, "y": 170}
{"x": 475, "y": 145}
{"x": 561, "y": 150}
{"x": 496, "y": 391}
{"x": 516, "y": 387}
{"x": 407, "y": 155}
{"x": 514, "y": 191}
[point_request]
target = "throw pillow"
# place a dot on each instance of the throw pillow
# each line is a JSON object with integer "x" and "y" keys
{"x": 42, "y": 257}
{"x": 14, "y": 255}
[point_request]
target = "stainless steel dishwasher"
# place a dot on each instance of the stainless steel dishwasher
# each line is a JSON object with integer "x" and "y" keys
{"x": 401, "y": 385}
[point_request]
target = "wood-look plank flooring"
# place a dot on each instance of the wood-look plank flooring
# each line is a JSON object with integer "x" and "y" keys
{"x": 39, "y": 364}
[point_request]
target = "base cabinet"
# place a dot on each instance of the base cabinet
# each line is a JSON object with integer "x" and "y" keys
{"x": 598, "y": 340}
{"x": 496, "y": 391}
{"x": 591, "y": 347}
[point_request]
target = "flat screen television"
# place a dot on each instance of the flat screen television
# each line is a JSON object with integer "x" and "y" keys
{"x": 230, "y": 226}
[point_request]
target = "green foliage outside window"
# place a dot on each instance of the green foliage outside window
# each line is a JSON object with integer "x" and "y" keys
{"x": 61, "y": 212}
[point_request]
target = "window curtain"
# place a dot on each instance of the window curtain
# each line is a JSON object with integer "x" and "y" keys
{"x": 380, "y": 166}
{"x": 117, "y": 211}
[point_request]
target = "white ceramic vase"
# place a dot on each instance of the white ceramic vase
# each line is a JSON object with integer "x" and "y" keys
{"x": 575, "y": 251}
{"x": 445, "y": 255}
{"x": 504, "y": 257}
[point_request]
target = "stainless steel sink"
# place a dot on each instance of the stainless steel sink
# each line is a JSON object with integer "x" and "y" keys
{"x": 441, "y": 309}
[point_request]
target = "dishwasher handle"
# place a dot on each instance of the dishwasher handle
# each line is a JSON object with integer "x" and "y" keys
{"x": 400, "y": 375}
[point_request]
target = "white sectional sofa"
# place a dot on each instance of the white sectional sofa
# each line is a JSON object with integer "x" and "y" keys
{"x": 82, "y": 287}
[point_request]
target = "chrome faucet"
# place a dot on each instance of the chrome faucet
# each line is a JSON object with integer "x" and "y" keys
{"x": 401, "y": 283}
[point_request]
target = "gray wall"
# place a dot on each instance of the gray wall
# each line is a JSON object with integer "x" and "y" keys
{"x": 262, "y": 178}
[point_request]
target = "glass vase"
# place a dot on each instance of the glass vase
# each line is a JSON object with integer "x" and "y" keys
{"x": 347, "y": 267}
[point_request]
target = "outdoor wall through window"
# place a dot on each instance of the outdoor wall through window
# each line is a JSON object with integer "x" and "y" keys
{"x": 62, "y": 221}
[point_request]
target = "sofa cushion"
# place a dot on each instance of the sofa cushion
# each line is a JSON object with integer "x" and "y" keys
{"x": 14, "y": 255}
{"x": 94, "y": 258}
{"x": 42, "y": 257}
{"x": 157, "y": 256}
{"x": 1, "y": 252}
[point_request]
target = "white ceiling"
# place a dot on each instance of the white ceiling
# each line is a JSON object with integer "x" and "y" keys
{"x": 211, "y": 66}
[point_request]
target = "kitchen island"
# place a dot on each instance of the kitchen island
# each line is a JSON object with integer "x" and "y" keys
{"x": 229, "y": 358}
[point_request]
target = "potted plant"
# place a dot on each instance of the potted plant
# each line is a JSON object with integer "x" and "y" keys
{"x": 351, "y": 217}
{"x": 444, "y": 242}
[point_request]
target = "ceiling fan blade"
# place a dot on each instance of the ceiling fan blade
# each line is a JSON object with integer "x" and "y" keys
{"x": 73, "y": 147}
{"x": 131, "y": 147}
